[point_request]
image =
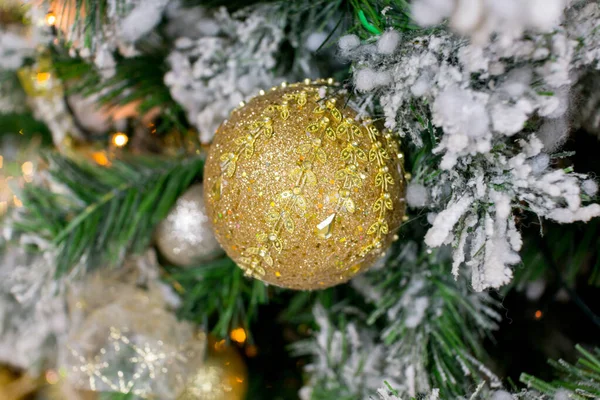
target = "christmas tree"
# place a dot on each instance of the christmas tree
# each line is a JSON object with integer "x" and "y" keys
{"x": 363, "y": 199}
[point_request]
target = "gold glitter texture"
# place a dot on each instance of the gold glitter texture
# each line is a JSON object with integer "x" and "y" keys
{"x": 124, "y": 338}
{"x": 302, "y": 193}
{"x": 221, "y": 375}
{"x": 14, "y": 386}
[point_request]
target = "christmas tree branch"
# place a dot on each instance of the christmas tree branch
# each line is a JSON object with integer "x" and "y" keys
{"x": 89, "y": 17}
{"x": 372, "y": 19}
{"x": 450, "y": 321}
{"x": 105, "y": 212}
{"x": 25, "y": 125}
{"x": 137, "y": 80}
{"x": 218, "y": 291}
{"x": 581, "y": 380}
{"x": 116, "y": 396}
{"x": 426, "y": 327}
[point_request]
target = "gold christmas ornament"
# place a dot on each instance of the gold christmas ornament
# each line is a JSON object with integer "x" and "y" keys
{"x": 221, "y": 375}
{"x": 302, "y": 193}
{"x": 123, "y": 337}
{"x": 186, "y": 237}
{"x": 15, "y": 386}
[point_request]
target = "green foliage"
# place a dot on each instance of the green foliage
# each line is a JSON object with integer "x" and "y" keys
{"x": 582, "y": 380}
{"x": 20, "y": 124}
{"x": 328, "y": 392}
{"x": 105, "y": 213}
{"x": 301, "y": 19}
{"x": 418, "y": 313}
{"x": 141, "y": 79}
{"x": 218, "y": 291}
{"x": 116, "y": 396}
{"x": 299, "y": 308}
{"x": 450, "y": 332}
{"x": 90, "y": 15}
{"x": 25, "y": 125}
{"x": 137, "y": 79}
{"x": 579, "y": 382}
{"x": 370, "y": 20}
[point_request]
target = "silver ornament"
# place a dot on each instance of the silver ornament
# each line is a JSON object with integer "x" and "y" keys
{"x": 185, "y": 237}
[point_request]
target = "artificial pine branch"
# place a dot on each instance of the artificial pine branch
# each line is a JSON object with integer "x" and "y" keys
{"x": 371, "y": 19}
{"x": 581, "y": 380}
{"x": 90, "y": 15}
{"x": 25, "y": 124}
{"x": 105, "y": 212}
{"x": 218, "y": 290}
{"x": 426, "y": 332}
{"x": 451, "y": 327}
{"x": 136, "y": 80}
{"x": 116, "y": 396}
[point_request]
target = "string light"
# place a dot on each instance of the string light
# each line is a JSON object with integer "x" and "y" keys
{"x": 52, "y": 377}
{"x": 238, "y": 335}
{"x": 538, "y": 314}
{"x": 41, "y": 77}
{"x": 41, "y": 84}
{"x": 51, "y": 18}
{"x": 100, "y": 158}
{"x": 120, "y": 139}
{"x": 27, "y": 168}
{"x": 17, "y": 202}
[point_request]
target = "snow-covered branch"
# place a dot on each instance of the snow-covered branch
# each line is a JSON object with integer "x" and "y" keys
{"x": 482, "y": 93}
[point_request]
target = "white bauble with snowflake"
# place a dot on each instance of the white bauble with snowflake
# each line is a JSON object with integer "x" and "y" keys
{"x": 185, "y": 237}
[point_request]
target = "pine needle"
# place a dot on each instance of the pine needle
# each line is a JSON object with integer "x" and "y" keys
{"x": 452, "y": 327}
{"x": 582, "y": 380}
{"x": 105, "y": 212}
{"x": 137, "y": 80}
{"x": 218, "y": 291}
{"x": 116, "y": 396}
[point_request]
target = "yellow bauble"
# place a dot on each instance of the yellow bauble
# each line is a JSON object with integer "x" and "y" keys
{"x": 15, "y": 386}
{"x": 301, "y": 193}
{"x": 222, "y": 375}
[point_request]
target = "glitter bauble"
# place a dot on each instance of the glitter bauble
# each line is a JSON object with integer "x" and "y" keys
{"x": 220, "y": 375}
{"x": 186, "y": 237}
{"x": 302, "y": 193}
{"x": 124, "y": 338}
{"x": 16, "y": 386}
